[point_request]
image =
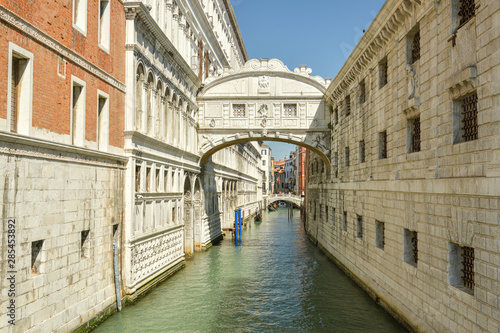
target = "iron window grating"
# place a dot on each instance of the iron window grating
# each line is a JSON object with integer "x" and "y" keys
{"x": 347, "y": 105}
{"x": 415, "y": 135}
{"x": 383, "y": 144}
{"x": 467, "y": 11}
{"x": 239, "y": 110}
{"x": 414, "y": 244}
{"x": 468, "y": 267}
{"x": 290, "y": 110}
{"x": 415, "y": 49}
{"x": 362, "y": 151}
{"x": 469, "y": 118}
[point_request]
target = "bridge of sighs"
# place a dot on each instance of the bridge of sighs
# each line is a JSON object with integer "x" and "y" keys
{"x": 264, "y": 101}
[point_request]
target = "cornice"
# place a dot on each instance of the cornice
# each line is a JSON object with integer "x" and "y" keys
{"x": 383, "y": 28}
{"x": 142, "y": 13}
{"x": 51, "y": 43}
{"x": 28, "y": 141}
{"x": 236, "y": 28}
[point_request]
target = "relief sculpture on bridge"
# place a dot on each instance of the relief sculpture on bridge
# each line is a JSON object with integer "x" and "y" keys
{"x": 233, "y": 108}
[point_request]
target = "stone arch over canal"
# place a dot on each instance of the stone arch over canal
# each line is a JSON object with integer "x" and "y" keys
{"x": 264, "y": 101}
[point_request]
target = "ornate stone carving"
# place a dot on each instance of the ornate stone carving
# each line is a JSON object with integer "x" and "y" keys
{"x": 212, "y": 123}
{"x": 411, "y": 81}
{"x": 264, "y": 84}
{"x": 155, "y": 253}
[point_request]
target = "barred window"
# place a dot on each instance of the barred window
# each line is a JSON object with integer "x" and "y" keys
{"x": 344, "y": 221}
{"x": 414, "y": 134}
{"x": 336, "y": 116}
{"x": 468, "y": 267}
{"x": 467, "y": 11}
{"x": 36, "y": 257}
{"x": 347, "y": 105}
{"x": 137, "y": 178}
{"x": 347, "y": 163}
{"x": 461, "y": 272}
{"x": 290, "y": 110}
{"x": 469, "y": 118}
{"x": 415, "y": 47}
{"x": 239, "y": 110}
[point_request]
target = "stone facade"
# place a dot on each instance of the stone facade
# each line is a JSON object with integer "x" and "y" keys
{"x": 410, "y": 204}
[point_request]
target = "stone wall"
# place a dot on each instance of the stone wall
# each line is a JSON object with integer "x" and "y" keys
{"x": 72, "y": 201}
{"x": 399, "y": 206}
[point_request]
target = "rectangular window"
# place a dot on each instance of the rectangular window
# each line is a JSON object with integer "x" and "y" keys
{"x": 465, "y": 114}
{"x": 137, "y": 178}
{"x": 336, "y": 116}
{"x": 379, "y": 234}
{"x": 36, "y": 257}
{"x": 102, "y": 121}
{"x": 173, "y": 215}
{"x": 347, "y": 105}
{"x": 77, "y": 111}
{"x": 80, "y": 16}
{"x": 20, "y": 90}
{"x": 104, "y": 24}
{"x": 165, "y": 181}
{"x": 290, "y": 110}
{"x": 148, "y": 179}
{"x": 410, "y": 247}
{"x": 320, "y": 211}
{"x": 347, "y": 162}
{"x": 264, "y": 162}
{"x": 413, "y": 134}
{"x": 359, "y": 226}
{"x": 333, "y": 217}
{"x": 239, "y": 110}
{"x": 362, "y": 151}
{"x": 362, "y": 92}
{"x": 382, "y": 145}
{"x": 344, "y": 221}
{"x": 461, "y": 272}
{"x": 415, "y": 46}
{"x": 84, "y": 243}
{"x": 382, "y": 70}
{"x": 157, "y": 177}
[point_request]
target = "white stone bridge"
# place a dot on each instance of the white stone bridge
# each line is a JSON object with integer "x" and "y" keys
{"x": 264, "y": 101}
{"x": 295, "y": 199}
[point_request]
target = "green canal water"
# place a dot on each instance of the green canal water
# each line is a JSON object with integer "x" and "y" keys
{"x": 275, "y": 281}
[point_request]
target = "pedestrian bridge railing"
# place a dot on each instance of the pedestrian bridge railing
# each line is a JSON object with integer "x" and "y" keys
{"x": 298, "y": 200}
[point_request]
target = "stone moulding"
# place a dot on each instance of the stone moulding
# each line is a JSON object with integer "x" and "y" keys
{"x": 57, "y": 47}
{"x": 463, "y": 82}
{"x": 52, "y": 150}
{"x": 383, "y": 28}
{"x": 266, "y": 67}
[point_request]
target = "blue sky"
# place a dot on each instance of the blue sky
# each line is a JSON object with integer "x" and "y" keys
{"x": 317, "y": 33}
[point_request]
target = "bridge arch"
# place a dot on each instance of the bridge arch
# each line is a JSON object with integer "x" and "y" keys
{"x": 264, "y": 101}
{"x": 295, "y": 199}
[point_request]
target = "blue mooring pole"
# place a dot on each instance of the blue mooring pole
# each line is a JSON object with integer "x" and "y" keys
{"x": 236, "y": 225}
{"x": 241, "y": 227}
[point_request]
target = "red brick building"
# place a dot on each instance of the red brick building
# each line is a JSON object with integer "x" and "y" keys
{"x": 62, "y": 117}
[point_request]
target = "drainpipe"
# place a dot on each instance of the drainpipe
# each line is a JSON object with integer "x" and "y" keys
{"x": 117, "y": 278}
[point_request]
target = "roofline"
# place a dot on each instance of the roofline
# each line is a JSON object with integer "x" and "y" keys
{"x": 234, "y": 23}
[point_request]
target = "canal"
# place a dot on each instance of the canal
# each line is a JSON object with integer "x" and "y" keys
{"x": 276, "y": 281}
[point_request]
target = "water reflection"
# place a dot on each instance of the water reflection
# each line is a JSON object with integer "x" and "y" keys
{"x": 276, "y": 281}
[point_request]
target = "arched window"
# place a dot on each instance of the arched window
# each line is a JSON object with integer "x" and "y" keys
{"x": 166, "y": 117}
{"x": 158, "y": 110}
{"x": 149, "y": 104}
{"x": 139, "y": 109}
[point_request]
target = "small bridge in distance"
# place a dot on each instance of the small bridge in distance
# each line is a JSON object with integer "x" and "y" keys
{"x": 295, "y": 199}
